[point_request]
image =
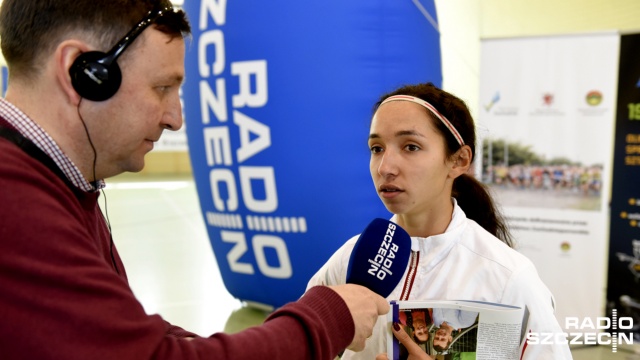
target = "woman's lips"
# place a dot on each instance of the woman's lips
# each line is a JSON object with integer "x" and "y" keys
{"x": 389, "y": 191}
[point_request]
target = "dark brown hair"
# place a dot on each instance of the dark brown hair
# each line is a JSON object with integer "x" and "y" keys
{"x": 472, "y": 196}
{"x": 31, "y": 29}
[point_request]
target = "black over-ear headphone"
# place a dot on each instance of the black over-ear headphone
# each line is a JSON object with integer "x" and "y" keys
{"x": 95, "y": 75}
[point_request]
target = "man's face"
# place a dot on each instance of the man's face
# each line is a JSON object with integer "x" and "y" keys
{"x": 124, "y": 128}
{"x": 442, "y": 337}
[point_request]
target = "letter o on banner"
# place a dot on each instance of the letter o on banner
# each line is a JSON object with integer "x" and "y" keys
{"x": 277, "y": 103}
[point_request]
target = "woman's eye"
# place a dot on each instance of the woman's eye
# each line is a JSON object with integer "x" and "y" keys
{"x": 412, "y": 147}
{"x": 375, "y": 149}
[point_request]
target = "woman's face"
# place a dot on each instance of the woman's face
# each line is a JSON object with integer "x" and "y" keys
{"x": 408, "y": 165}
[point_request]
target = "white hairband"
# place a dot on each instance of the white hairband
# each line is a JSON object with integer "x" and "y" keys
{"x": 430, "y": 108}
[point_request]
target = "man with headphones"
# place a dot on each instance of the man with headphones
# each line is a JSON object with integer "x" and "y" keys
{"x": 78, "y": 110}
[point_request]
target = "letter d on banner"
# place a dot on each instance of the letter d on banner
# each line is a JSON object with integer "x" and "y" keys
{"x": 277, "y": 101}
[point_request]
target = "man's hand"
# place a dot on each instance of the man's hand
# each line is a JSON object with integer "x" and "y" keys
{"x": 365, "y": 307}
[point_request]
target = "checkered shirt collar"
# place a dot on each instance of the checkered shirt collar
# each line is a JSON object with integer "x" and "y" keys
{"x": 32, "y": 131}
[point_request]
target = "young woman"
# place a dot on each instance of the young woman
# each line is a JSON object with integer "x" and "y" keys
{"x": 422, "y": 142}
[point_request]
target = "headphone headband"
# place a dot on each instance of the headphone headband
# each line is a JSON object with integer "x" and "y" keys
{"x": 149, "y": 19}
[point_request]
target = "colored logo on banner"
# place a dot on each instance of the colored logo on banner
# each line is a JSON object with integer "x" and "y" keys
{"x": 278, "y": 99}
{"x": 493, "y": 101}
{"x": 594, "y": 98}
{"x": 547, "y": 99}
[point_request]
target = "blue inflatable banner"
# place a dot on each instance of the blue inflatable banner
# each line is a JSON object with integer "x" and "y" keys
{"x": 277, "y": 103}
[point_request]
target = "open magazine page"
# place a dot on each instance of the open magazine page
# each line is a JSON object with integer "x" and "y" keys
{"x": 457, "y": 330}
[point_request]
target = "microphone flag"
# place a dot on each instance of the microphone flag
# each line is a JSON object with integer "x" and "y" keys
{"x": 380, "y": 257}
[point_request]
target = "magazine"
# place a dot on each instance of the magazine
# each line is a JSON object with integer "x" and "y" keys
{"x": 457, "y": 329}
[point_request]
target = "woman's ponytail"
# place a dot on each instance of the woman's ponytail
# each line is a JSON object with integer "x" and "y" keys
{"x": 474, "y": 199}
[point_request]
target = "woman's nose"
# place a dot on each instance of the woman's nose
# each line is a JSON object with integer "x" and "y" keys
{"x": 388, "y": 164}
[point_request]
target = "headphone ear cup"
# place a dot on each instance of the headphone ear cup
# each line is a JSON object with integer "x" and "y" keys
{"x": 94, "y": 77}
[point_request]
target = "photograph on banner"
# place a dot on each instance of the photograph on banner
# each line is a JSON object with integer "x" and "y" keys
{"x": 524, "y": 176}
{"x": 546, "y": 128}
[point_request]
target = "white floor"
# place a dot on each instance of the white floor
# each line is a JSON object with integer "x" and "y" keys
{"x": 160, "y": 234}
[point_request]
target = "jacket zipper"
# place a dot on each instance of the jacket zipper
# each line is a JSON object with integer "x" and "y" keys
{"x": 411, "y": 275}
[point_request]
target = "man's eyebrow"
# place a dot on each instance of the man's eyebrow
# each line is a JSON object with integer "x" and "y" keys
{"x": 173, "y": 78}
{"x": 179, "y": 79}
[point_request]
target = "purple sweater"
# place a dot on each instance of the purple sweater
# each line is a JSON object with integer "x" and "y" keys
{"x": 61, "y": 298}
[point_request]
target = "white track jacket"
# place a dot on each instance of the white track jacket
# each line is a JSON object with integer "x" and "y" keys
{"x": 464, "y": 263}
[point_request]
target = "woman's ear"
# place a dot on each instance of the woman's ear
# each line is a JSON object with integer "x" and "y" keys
{"x": 65, "y": 54}
{"x": 461, "y": 161}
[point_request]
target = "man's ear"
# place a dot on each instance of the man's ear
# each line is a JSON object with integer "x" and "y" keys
{"x": 461, "y": 161}
{"x": 65, "y": 54}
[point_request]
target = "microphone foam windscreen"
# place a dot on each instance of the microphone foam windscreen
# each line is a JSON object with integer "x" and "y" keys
{"x": 380, "y": 257}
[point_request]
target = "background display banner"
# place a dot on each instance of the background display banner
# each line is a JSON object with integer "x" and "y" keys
{"x": 277, "y": 100}
{"x": 4, "y": 75}
{"x": 623, "y": 292}
{"x": 546, "y": 122}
